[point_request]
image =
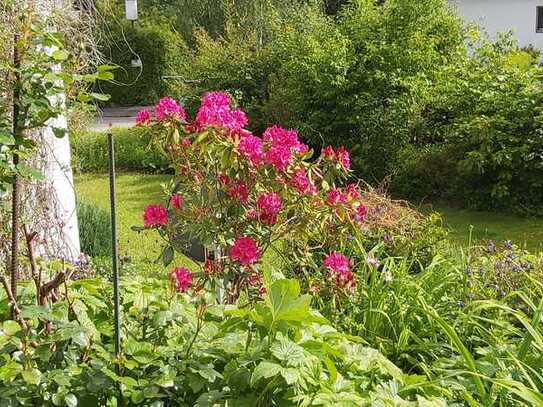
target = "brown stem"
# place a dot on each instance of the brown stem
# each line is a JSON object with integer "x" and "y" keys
{"x": 15, "y": 200}
{"x": 29, "y": 237}
{"x": 13, "y": 302}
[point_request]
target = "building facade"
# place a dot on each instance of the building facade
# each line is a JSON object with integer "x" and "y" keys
{"x": 523, "y": 17}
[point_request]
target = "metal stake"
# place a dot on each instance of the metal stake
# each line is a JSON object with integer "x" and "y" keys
{"x": 115, "y": 252}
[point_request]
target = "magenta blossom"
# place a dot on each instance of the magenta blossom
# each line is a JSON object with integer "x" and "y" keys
{"x": 239, "y": 191}
{"x": 335, "y": 197}
{"x": 154, "y": 216}
{"x": 279, "y": 136}
{"x": 300, "y": 181}
{"x": 143, "y": 117}
{"x": 245, "y": 251}
{"x": 342, "y": 157}
{"x": 337, "y": 263}
{"x": 360, "y": 214}
{"x": 215, "y": 111}
{"x": 176, "y": 201}
{"x": 168, "y": 107}
{"x": 269, "y": 204}
{"x": 251, "y": 147}
{"x": 183, "y": 278}
{"x": 279, "y": 157}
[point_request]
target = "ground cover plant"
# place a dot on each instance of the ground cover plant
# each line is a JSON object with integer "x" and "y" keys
{"x": 399, "y": 316}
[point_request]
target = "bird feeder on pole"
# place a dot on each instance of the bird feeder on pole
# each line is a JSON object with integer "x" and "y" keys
{"x": 131, "y": 9}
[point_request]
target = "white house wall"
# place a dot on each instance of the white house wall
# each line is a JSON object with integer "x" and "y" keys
{"x": 503, "y": 15}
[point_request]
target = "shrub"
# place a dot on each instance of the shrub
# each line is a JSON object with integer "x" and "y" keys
{"x": 132, "y": 152}
{"x": 483, "y": 131}
{"x": 94, "y": 230}
{"x": 162, "y": 53}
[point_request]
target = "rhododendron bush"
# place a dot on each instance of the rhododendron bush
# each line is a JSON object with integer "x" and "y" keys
{"x": 241, "y": 195}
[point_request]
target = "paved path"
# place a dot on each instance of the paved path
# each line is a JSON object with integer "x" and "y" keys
{"x": 117, "y": 117}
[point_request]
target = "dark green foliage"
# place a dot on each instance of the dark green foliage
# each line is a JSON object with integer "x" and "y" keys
{"x": 132, "y": 152}
{"x": 94, "y": 230}
{"x": 162, "y": 53}
{"x": 481, "y": 139}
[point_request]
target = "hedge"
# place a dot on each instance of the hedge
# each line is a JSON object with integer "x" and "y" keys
{"x": 132, "y": 153}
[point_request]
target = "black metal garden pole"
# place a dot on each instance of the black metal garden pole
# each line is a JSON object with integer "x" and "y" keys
{"x": 114, "y": 248}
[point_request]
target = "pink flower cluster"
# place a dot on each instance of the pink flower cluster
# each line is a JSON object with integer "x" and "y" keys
{"x": 251, "y": 147}
{"x": 269, "y": 205}
{"x": 215, "y": 111}
{"x": 155, "y": 216}
{"x": 281, "y": 143}
{"x": 183, "y": 278}
{"x": 176, "y": 201}
{"x": 238, "y": 190}
{"x": 167, "y": 107}
{"x": 341, "y": 156}
{"x": 300, "y": 181}
{"x": 143, "y": 117}
{"x": 245, "y": 251}
{"x": 339, "y": 265}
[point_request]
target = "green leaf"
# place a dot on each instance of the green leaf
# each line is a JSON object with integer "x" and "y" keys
{"x": 288, "y": 351}
{"x": 167, "y": 255}
{"x": 11, "y": 327}
{"x": 70, "y": 400}
{"x": 59, "y": 132}
{"x": 7, "y": 139}
{"x": 32, "y": 376}
{"x": 60, "y": 55}
{"x": 286, "y": 304}
{"x": 265, "y": 370}
{"x": 100, "y": 96}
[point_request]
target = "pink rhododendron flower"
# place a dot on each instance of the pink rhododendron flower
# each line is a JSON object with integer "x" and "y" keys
{"x": 328, "y": 152}
{"x": 168, "y": 107}
{"x": 335, "y": 197}
{"x": 143, "y": 117}
{"x": 269, "y": 204}
{"x": 278, "y": 136}
{"x": 301, "y": 182}
{"x": 216, "y": 99}
{"x": 337, "y": 263}
{"x": 215, "y": 111}
{"x": 342, "y": 156}
{"x": 279, "y": 157}
{"x": 251, "y": 214}
{"x": 176, "y": 201}
{"x": 186, "y": 142}
{"x": 251, "y": 147}
{"x": 155, "y": 215}
{"x": 353, "y": 192}
{"x": 239, "y": 191}
{"x": 245, "y": 251}
{"x": 360, "y": 214}
{"x": 183, "y": 278}
{"x": 224, "y": 179}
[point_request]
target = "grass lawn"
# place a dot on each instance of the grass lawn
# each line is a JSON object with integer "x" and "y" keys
{"x": 135, "y": 191}
{"x": 525, "y": 232}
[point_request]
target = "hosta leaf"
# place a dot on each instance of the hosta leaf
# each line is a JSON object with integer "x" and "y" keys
{"x": 265, "y": 370}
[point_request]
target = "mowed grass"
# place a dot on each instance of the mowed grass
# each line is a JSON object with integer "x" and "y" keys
{"x": 135, "y": 191}
{"x": 524, "y": 232}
